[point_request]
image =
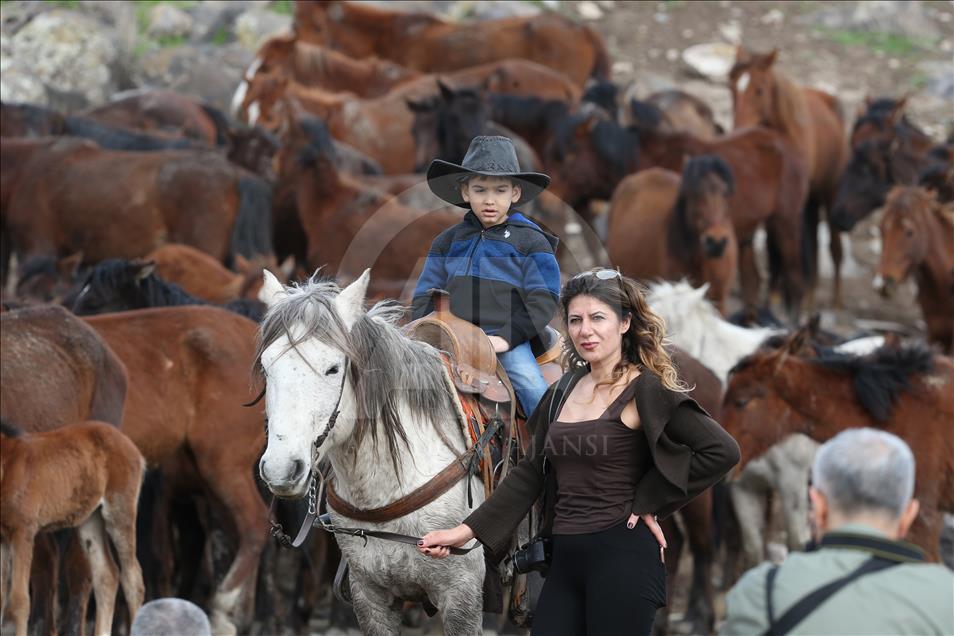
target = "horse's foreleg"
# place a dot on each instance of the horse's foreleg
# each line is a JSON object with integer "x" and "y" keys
{"x": 232, "y": 484}
{"x": 786, "y": 235}
{"x": 749, "y": 505}
{"x": 461, "y": 603}
{"x": 79, "y": 582}
{"x": 377, "y": 612}
{"x": 105, "y": 578}
{"x": 21, "y": 548}
{"x": 837, "y": 251}
{"x": 698, "y": 520}
{"x": 749, "y": 279}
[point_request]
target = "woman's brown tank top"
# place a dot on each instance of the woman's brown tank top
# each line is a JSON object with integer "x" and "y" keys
{"x": 598, "y": 463}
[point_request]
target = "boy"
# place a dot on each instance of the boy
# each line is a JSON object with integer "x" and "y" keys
{"x": 498, "y": 266}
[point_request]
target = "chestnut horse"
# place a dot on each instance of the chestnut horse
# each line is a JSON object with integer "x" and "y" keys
{"x": 812, "y": 122}
{"x": 86, "y": 476}
{"x": 163, "y": 112}
{"x": 319, "y": 67}
{"x": 56, "y": 370}
{"x": 425, "y": 43}
{"x": 903, "y": 390}
{"x": 142, "y": 200}
{"x": 917, "y": 239}
{"x": 680, "y": 226}
{"x": 590, "y": 155}
{"x": 350, "y": 228}
{"x": 202, "y": 276}
{"x": 200, "y": 357}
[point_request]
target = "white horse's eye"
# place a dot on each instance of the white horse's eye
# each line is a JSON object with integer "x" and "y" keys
{"x": 333, "y": 370}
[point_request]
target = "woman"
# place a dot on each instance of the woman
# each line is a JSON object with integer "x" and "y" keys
{"x": 625, "y": 445}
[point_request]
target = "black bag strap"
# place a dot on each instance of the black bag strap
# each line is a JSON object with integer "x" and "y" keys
{"x": 810, "y": 602}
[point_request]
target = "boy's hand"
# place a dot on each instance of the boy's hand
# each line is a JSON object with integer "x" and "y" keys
{"x": 500, "y": 345}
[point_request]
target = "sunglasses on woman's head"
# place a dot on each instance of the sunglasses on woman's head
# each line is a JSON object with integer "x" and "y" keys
{"x": 602, "y": 274}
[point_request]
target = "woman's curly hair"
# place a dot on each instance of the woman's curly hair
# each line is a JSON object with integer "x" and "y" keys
{"x": 644, "y": 343}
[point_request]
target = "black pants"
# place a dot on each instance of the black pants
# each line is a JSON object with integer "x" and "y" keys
{"x": 602, "y": 584}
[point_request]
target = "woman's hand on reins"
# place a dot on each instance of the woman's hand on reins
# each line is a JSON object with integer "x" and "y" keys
{"x": 650, "y": 521}
{"x": 437, "y": 543}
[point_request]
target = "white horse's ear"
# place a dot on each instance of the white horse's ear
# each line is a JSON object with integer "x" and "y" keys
{"x": 271, "y": 291}
{"x": 350, "y": 302}
{"x": 701, "y": 291}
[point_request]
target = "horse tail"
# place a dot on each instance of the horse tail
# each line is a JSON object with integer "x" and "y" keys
{"x": 221, "y": 123}
{"x": 252, "y": 232}
{"x": 109, "y": 395}
{"x": 601, "y": 63}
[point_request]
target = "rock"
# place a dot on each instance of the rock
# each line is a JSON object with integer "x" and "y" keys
{"x": 209, "y": 72}
{"x": 69, "y": 53}
{"x": 773, "y": 18}
{"x": 901, "y": 17}
{"x": 589, "y": 10}
{"x": 167, "y": 21}
{"x": 940, "y": 79}
{"x": 731, "y": 31}
{"x": 253, "y": 27}
{"x": 712, "y": 60}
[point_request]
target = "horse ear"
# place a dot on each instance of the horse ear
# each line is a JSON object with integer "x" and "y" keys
{"x": 287, "y": 267}
{"x": 701, "y": 291}
{"x": 771, "y": 57}
{"x": 350, "y": 302}
{"x": 69, "y": 265}
{"x": 898, "y": 111}
{"x": 271, "y": 291}
{"x": 242, "y": 266}
{"x": 742, "y": 55}
{"x": 446, "y": 92}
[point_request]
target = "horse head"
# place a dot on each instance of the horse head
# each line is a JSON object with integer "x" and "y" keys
{"x": 703, "y": 220}
{"x": 303, "y": 355}
{"x": 875, "y": 167}
{"x": 905, "y": 235}
{"x": 752, "y": 83}
{"x": 445, "y": 123}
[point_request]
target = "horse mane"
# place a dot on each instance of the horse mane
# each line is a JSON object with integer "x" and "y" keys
{"x": 39, "y": 116}
{"x": 521, "y": 111}
{"x": 10, "y": 429}
{"x": 387, "y": 370}
{"x": 603, "y": 93}
{"x": 880, "y": 377}
{"x": 682, "y": 236}
{"x": 646, "y": 115}
{"x": 37, "y": 265}
{"x": 617, "y": 146}
{"x": 117, "y": 138}
{"x": 790, "y": 105}
{"x": 317, "y": 137}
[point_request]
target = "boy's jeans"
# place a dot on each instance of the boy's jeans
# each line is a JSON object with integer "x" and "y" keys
{"x": 525, "y": 376}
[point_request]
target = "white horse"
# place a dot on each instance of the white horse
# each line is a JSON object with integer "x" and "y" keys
{"x": 697, "y": 327}
{"x": 396, "y": 428}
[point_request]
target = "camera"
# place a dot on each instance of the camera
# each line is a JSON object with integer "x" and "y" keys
{"x": 534, "y": 556}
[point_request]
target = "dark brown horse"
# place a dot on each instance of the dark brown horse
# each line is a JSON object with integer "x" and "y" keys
{"x": 56, "y": 370}
{"x": 361, "y": 31}
{"x": 591, "y": 154}
{"x": 887, "y": 150}
{"x": 86, "y": 476}
{"x": 163, "y": 112}
{"x": 905, "y": 391}
{"x": 812, "y": 123}
{"x": 200, "y": 357}
{"x": 62, "y": 196}
{"x": 917, "y": 239}
{"x": 681, "y": 225}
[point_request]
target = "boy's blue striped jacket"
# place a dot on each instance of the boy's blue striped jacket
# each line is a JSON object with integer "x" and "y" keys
{"x": 505, "y": 279}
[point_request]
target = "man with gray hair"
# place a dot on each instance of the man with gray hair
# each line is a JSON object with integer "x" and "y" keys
{"x": 861, "y": 578}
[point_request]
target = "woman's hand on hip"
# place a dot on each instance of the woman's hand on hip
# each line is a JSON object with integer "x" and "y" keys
{"x": 650, "y": 521}
{"x": 437, "y": 543}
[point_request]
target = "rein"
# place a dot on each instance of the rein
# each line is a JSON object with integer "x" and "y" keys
{"x": 464, "y": 464}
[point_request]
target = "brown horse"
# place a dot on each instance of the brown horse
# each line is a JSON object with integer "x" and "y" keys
{"x": 682, "y": 226}
{"x": 320, "y": 67}
{"x": 204, "y": 277}
{"x": 917, "y": 237}
{"x": 590, "y": 155}
{"x": 351, "y": 228}
{"x": 62, "y": 195}
{"x": 682, "y": 112}
{"x": 85, "y": 476}
{"x": 163, "y": 112}
{"x": 188, "y": 377}
{"x": 905, "y": 391}
{"x": 56, "y": 370}
{"x": 361, "y": 31}
{"x": 811, "y": 121}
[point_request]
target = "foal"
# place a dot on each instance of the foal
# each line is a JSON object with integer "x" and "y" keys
{"x": 86, "y": 476}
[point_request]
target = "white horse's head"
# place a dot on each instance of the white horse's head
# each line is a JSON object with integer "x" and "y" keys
{"x": 304, "y": 357}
